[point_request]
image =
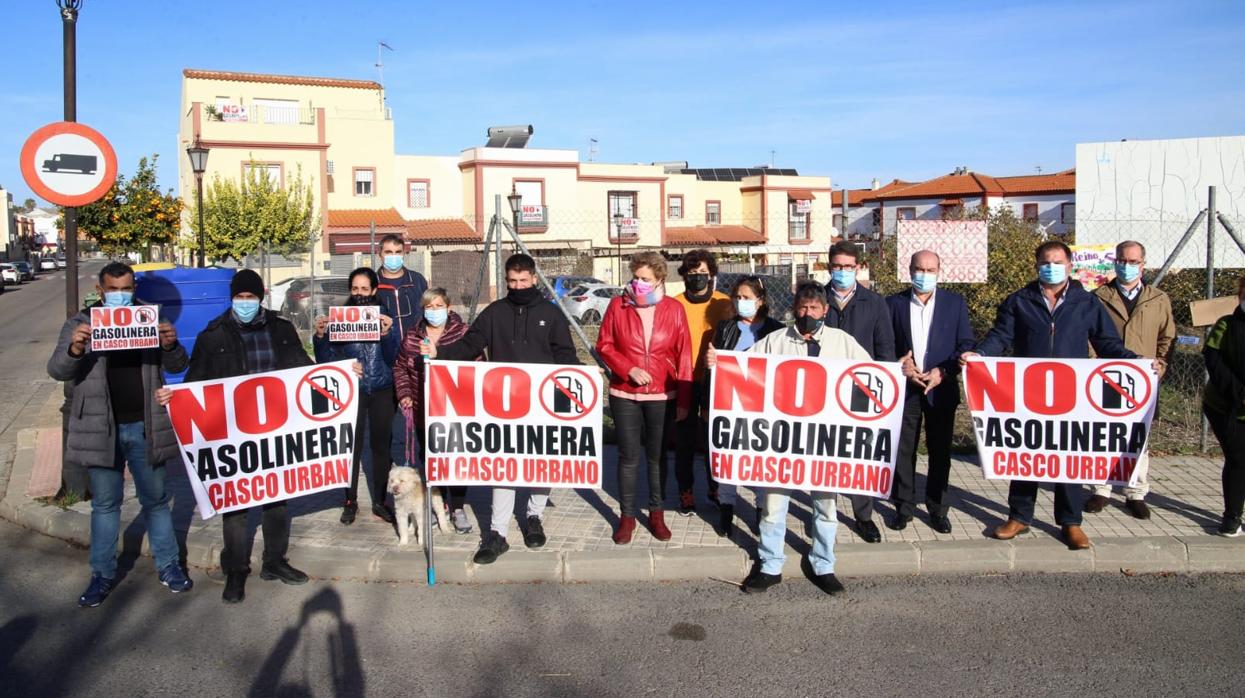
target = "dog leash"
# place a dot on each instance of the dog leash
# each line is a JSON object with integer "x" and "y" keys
{"x": 432, "y": 568}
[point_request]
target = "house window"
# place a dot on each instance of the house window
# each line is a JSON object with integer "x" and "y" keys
{"x": 271, "y": 169}
{"x": 906, "y": 213}
{"x": 532, "y": 191}
{"x": 365, "y": 181}
{"x": 713, "y": 212}
{"x": 624, "y": 204}
{"x": 674, "y": 207}
{"x": 951, "y": 211}
{"x": 417, "y": 193}
{"x": 797, "y": 223}
{"x": 1067, "y": 214}
{"x": 1031, "y": 212}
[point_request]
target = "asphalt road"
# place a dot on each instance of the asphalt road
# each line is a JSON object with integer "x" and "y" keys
{"x": 1036, "y": 635}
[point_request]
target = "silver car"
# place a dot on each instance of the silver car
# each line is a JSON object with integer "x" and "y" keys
{"x": 587, "y": 302}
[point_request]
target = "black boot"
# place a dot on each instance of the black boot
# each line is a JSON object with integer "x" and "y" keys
{"x": 349, "y": 510}
{"x": 235, "y": 588}
{"x": 726, "y": 519}
{"x": 282, "y": 571}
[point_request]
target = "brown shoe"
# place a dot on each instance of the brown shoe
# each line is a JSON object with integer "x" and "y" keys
{"x": 1075, "y": 538}
{"x": 1095, "y": 504}
{"x": 1138, "y": 508}
{"x": 1009, "y": 530}
{"x": 657, "y": 523}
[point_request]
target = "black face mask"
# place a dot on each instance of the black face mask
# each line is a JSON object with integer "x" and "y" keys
{"x": 524, "y": 296}
{"x": 358, "y": 299}
{"x": 807, "y": 324}
{"x": 696, "y": 283}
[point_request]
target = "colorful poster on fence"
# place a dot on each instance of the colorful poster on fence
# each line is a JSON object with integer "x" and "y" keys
{"x": 513, "y": 425}
{"x": 1068, "y": 420}
{"x": 800, "y": 423}
{"x": 125, "y": 327}
{"x": 266, "y": 437}
{"x": 1093, "y": 265}
{"x": 354, "y": 323}
{"x": 963, "y": 247}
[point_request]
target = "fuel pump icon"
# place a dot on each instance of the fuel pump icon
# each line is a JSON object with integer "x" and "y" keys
{"x": 320, "y": 402}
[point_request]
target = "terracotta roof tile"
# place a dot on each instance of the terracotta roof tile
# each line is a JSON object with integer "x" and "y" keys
{"x": 362, "y": 218}
{"x": 713, "y": 234}
{"x": 970, "y": 184}
{"x": 1059, "y": 182}
{"x": 280, "y": 79}
{"x": 441, "y": 230}
{"x": 688, "y": 236}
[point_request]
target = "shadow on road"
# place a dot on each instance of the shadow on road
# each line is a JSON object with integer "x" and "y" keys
{"x": 342, "y": 663}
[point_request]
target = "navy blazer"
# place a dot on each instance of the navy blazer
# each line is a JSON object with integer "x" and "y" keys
{"x": 950, "y": 335}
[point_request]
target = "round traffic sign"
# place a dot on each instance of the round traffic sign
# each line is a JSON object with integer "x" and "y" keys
{"x": 68, "y": 163}
{"x": 867, "y": 392}
{"x": 568, "y": 394}
{"x": 1118, "y": 388}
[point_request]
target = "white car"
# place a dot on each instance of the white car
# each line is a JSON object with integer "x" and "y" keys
{"x": 10, "y": 274}
{"x": 276, "y": 294}
{"x": 47, "y": 264}
{"x": 587, "y": 302}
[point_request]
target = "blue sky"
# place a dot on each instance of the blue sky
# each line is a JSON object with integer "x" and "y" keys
{"x": 849, "y": 90}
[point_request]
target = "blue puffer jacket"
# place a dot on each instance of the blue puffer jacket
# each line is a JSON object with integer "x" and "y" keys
{"x": 377, "y": 357}
{"x": 1024, "y": 323}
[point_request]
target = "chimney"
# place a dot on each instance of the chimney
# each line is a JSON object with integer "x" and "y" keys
{"x": 875, "y": 184}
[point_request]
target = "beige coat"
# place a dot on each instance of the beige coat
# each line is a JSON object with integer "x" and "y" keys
{"x": 1151, "y": 330}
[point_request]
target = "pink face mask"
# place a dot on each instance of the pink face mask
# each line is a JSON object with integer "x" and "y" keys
{"x": 644, "y": 294}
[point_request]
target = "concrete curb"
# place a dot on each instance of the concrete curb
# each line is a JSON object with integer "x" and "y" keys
{"x": 1184, "y": 554}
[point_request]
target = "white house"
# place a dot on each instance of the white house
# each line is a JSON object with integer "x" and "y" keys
{"x": 45, "y": 224}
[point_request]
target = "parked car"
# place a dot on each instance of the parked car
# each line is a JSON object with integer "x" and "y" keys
{"x": 27, "y": 272}
{"x": 330, "y": 291}
{"x": 60, "y": 262}
{"x": 588, "y": 302}
{"x": 10, "y": 274}
{"x": 562, "y": 284}
{"x": 47, "y": 264}
{"x": 276, "y": 293}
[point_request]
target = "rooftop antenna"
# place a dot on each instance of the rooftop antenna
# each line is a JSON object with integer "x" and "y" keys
{"x": 380, "y": 69}
{"x": 1039, "y": 169}
{"x": 592, "y": 149}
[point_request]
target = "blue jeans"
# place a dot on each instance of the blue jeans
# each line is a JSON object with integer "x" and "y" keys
{"x": 774, "y": 531}
{"x": 108, "y": 487}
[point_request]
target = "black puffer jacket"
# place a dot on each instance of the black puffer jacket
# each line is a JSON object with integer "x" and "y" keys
{"x": 533, "y": 332}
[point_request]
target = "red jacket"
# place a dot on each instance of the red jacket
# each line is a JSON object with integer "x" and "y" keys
{"x": 669, "y": 360}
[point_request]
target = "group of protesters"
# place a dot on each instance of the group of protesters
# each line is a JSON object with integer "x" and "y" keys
{"x": 659, "y": 352}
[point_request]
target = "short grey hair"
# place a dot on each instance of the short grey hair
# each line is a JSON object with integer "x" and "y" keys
{"x": 1119, "y": 249}
{"x": 912, "y": 259}
{"x": 433, "y": 294}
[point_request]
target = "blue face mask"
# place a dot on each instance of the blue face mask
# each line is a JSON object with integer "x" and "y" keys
{"x": 924, "y": 282}
{"x": 843, "y": 279}
{"x": 246, "y": 309}
{"x": 746, "y": 308}
{"x": 116, "y": 299}
{"x": 1127, "y": 273}
{"x": 392, "y": 262}
{"x": 436, "y": 316}
{"x": 1053, "y": 274}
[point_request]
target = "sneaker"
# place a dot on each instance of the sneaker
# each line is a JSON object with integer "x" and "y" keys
{"x": 828, "y": 583}
{"x": 176, "y": 580}
{"x": 687, "y": 503}
{"x": 384, "y": 513}
{"x": 492, "y": 546}
{"x": 758, "y": 582}
{"x": 282, "y": 571}
{"x": 98, "y": 590}
{"x": 1231, "y": 526}
{"x": 534, "y": 535}
{"x": 461, "y": 523}
{"x": 349, "y": 510}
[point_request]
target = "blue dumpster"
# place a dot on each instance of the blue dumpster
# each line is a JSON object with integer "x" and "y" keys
{"x": 189, "y": 298}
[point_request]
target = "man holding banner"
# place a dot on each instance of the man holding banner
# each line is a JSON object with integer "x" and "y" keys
{"x": 114, "y": 422}
{"x": 521, "y": 328}
{"x": 789, "y": 446}
{"x": 1052, "y": 317}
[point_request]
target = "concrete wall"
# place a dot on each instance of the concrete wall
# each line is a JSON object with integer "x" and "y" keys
{"x": 1152, "y": 190}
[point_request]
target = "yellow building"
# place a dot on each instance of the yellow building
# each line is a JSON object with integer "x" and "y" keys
{"x": 576, "y": 217}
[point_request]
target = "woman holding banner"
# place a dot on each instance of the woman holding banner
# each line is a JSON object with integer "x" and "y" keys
{"x": 442, "y": 327}
{"x": 750, "y": 324}
{"x": 1224, "y": 405}
{"x": 374, "y": 365}
{"x": 646, "y": 344}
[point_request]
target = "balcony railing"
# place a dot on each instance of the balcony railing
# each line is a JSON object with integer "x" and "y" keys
{"x": 258, "y": 114}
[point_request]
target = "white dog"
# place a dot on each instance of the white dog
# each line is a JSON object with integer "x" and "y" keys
{"x": 408, "y": 491}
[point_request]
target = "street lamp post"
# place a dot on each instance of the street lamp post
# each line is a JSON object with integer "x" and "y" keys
{"x": 69, "y": 25}
{"x": 516, "y": 204}
{"x": 198, "y": 163}
{"x": 618, "y": 219}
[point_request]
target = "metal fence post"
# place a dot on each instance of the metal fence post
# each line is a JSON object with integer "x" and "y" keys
{"x": 1210, "y": 281}
{"x": 497, "y": 267}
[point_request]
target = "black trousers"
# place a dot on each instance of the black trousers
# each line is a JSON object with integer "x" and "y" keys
{"x": 692, "y": 437}
{"x": 1231, "y": 435}
{"x": 376, "y": 415}
{"x": 641, "y": 428}
{"x": 939, "y": 426}
{"x": 276, "y": 528}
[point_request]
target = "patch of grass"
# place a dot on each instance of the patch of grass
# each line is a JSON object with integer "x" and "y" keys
{"x": 64, "y": 500}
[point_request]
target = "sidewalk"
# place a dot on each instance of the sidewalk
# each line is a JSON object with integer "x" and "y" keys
{"x": 1186, "y": 504}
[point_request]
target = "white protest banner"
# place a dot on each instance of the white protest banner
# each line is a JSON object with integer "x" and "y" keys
{"x": 1065, "y": 420}
{"x": 125, "y": 327}
{"x": 513, "y": 425}
{"x": 805, "y": 423}
{"x": 963, "y": 247}
{"x": 354, "y": 323}
{"x": 265, "y": 437}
